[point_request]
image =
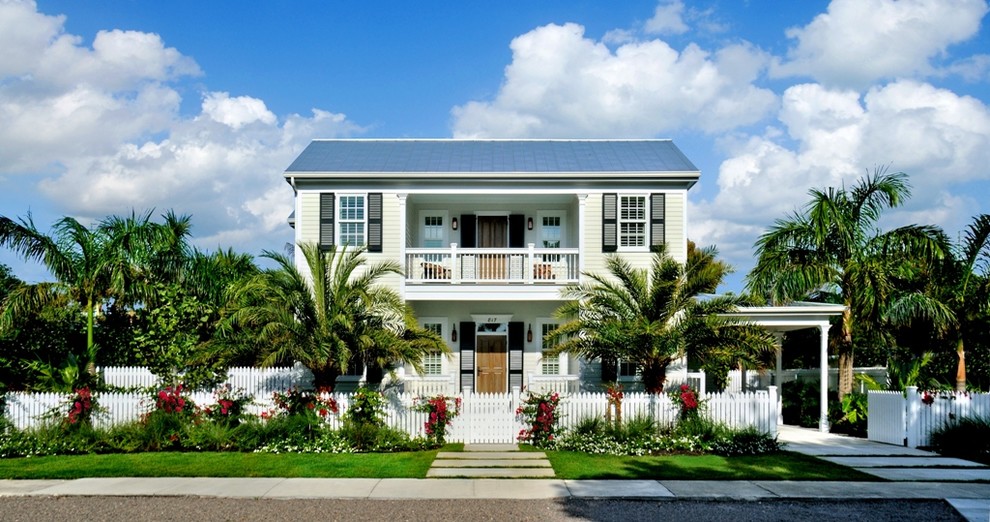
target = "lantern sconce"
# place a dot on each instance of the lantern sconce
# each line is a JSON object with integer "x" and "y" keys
{"x": 529, "y": 223}
{"x": 453, "y": 334}
{"x": 529, "y": 334}
{"x": 453, "y": 223}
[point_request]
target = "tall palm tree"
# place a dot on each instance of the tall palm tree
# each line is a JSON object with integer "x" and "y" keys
{"x": 651, "y": 317}
{"x": 92, "y": 266}
{"x": 958, "y": 298}
{"x": 834, "y": 250}
{"x": 330, "y": 316}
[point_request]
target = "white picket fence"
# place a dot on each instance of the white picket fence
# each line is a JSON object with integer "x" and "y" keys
{"x": 255, "y": 381}
{"x": 903, "y": 418}
{"x": 485, "y": 418}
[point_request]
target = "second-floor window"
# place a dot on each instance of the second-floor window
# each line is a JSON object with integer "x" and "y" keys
{"x": 632, "y": 222}
{"x": 351, "y": 220}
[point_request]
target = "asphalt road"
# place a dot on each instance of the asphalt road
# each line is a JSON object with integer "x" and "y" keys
{"x": 133, "y": 509}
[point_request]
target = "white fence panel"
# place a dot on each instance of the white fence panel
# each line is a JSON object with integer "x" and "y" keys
{"x": 886, "y": 417}
{"x": 904, "y": 418}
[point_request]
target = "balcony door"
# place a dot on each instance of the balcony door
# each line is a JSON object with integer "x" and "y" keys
{"x": 493, "y": 232}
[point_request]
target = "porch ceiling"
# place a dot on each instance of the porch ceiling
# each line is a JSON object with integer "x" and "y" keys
{"x": 488, "y": 198}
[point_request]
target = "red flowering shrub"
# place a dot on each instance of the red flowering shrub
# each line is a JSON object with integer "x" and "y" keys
{"x": 441, "y": 410}
{"x": 297, "y": 402}
{"x": 171, "y": 400}
{"x": 229, "y": 406}
{"x": 81, "y": 408}
{"x": 539, "y": 412}
{"x": 687, "y": 399}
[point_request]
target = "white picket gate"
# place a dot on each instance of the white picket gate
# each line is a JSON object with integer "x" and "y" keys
{"x": 909, "y": 417}
{"x": 484, "y": 418}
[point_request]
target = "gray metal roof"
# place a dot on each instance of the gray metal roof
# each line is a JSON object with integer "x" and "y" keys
{"x": 365, "y": 155}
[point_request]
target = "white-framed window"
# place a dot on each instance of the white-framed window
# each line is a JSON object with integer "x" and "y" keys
{"x": 433, "y": 361}
{"x": 433, "y": 227}
{"x": 549, "y": 364}
{"x": 352, "y": 219}
{"x": 633, "y": 221}
{"x": 628, "y": 368}
{"x": 551, "y": 229}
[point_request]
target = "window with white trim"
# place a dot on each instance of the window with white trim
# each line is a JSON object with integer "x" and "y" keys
{"x": 351, "y": 220}
{"x": 433, "y": 361}
{"x": 628, "y": 368}
{"x": 632, "y": 222}
{"x": 549, "y": 363}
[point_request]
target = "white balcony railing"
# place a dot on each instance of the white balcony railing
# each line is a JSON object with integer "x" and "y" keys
{"x": 492, "y": 265}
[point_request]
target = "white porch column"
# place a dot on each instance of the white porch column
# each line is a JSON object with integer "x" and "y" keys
{"x": 402, "y": 243}
{"x": 778, "y": 375}
{"x": 582, "y": 226}
{"x": 823, "y": 384}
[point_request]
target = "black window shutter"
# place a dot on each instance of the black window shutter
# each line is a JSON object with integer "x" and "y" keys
{"x": 516, "y": 344}
{"x": 327, "y": 213}
{"x": 658, "y": 212}
{"x": 467, "y": 354}
{"x": 375, "y": 222}
{"x": 468, "y": 231}
{"x": 610, "y": 370}
{"x": 517, "y": 231}
{"x": 610, "y": 227}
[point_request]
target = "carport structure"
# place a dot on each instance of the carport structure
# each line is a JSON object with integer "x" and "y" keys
{"x": 797, "y": 315}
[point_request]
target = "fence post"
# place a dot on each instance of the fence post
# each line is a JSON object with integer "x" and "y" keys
{"x": 911, "y": 418}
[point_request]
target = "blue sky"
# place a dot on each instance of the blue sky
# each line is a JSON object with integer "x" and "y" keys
{"x": 198, "y": 106}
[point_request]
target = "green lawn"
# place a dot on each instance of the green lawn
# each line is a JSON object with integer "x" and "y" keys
{"x": 782, "y": 466}
{"x": 567, "y": 465}
{"x": 206, "y": 464}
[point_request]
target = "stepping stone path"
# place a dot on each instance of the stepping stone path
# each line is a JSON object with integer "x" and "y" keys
{"x": 491, "y": 461}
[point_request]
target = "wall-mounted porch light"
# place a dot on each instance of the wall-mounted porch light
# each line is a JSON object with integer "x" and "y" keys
{"x": 453, "y": 223}
{"x": 529, "y": 334}
{"x": 453, "y": 333}
{"x": 529, "y": 223}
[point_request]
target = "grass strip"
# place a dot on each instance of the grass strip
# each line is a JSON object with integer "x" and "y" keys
{"x": 780, "y": 466}
{"x": 207, "y": 464}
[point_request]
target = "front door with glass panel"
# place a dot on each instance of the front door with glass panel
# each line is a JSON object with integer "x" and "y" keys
{"x": 492, "y": 357}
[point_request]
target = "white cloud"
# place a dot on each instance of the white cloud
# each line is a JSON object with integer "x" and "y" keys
{"x": 97, "y": 130}
{"x": 561, "y": 84}
{"x": 832, "y": 137}
{"x": 667, "y": 19}
{"x": 857, "y": 42}
{"x": 236, "y": 112}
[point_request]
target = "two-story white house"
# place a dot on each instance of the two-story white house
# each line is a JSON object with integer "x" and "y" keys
{"x": 489, "y": 231}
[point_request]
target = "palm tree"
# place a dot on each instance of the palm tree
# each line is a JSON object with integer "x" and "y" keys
{"x": 651, "y": 317}
{"x": 953, "y": 304}
{"x": 91, "y": 266}
{"x": 330, "y": 316}
{"x": 834, "y": 251}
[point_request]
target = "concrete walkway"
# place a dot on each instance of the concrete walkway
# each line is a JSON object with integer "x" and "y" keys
{"x": 907, "y": 466}
{"x": 491, "y": 461}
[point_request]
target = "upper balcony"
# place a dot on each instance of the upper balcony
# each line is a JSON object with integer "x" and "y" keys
{"x": 487, "y": 266}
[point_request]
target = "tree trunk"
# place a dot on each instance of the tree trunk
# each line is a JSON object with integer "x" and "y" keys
{"x": 654, "y": 376}
{"x": 961, "y": 368}
{"x": 90, "y": 345}
{"x": 846, "y": 354}
{"x": 325, "y": 378}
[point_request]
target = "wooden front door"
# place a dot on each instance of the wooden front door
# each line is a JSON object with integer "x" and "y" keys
{"x": 493, "y": 232}
{"x": 491, "y": 354}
